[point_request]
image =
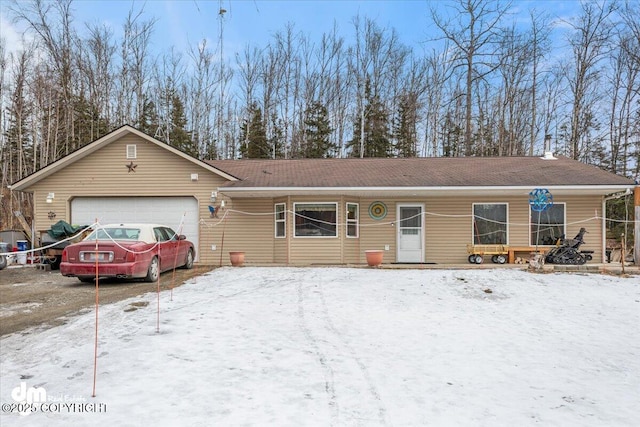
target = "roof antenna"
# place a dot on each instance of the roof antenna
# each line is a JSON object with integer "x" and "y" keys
{"x": 548, "y": 154}
{"x": 222, "y": 149}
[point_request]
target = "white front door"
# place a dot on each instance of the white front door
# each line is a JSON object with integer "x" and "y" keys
{"x": 410, "y": 240}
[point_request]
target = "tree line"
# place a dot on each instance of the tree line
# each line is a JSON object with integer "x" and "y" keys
{"x": 485, "y": 85}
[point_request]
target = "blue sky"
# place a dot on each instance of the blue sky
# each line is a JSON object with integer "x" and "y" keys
{"x": 181, "y": 23}
{"x": 184, "y": 22}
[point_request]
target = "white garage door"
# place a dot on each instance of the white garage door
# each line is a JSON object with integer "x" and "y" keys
{"x": 158, "y": 210}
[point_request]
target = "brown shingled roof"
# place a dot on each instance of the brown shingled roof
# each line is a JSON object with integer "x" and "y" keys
{"x": 415, "y": 172}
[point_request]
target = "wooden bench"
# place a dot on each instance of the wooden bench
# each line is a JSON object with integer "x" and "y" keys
{"x": 529, "y": 249}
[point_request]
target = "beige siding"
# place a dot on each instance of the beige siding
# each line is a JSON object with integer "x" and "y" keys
{"x": 247, "y": 226}
{"x": 375, "y": 234}
{"x": 448, "y": 229}
{"x": 447, "y": 234}
{"x": 519, "y": 218}
{"x": 580, "y": 209}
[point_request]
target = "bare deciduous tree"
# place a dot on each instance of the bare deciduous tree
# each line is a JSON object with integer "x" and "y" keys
{"x": 52, "y": 23}
{"x": 589, "y": 44}
{"x": 200, "y": 100}
{"x": 135, "y": 66}
{"x": 479, "y": 89}
{"x": 625, "y": 80}
{"x": 249, "y": 71}
{"x": 438, "y": 71}
{"x": 540, "y": 45}
{"x": 473, "y": 29}
{"x": 97, "y": 72}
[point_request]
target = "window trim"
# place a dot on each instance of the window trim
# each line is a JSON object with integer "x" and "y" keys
{"x": 348, "y": 221}
{"x": 564, "y": 224}
{"x": 473, "y": 220}
{"x": 134, "y": 153}
{"x": 295, "y": 213}
{"x": 276, "y": 220}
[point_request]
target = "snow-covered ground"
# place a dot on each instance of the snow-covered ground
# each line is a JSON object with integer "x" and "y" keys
{"x": 342, "y": 347}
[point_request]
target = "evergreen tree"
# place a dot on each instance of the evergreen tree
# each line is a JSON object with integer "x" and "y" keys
{"x": 452, "y": 137}
{"x": 404, "y": 127}
{"x": 277, "y": 141}
{"x": 253, "y": 136}
{"x": 318, "y": 132}
{"x": 377, "y": 141}
{"x": 178, "y": 136}
{"x": 88, "y": 125}
{"x": 19, "y": 147}
{"x": 148, "y": 122}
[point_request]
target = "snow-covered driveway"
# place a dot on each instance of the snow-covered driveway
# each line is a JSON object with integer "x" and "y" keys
{"x": 344, "y": 347}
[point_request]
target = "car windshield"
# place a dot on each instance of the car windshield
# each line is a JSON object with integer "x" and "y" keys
{"x": 115, "y": 233}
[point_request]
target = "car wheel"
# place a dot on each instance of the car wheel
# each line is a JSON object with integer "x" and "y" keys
{"x": 188, "y": 264}
{"x": 55, "y": 265}
{"x": 3, "y": 262}
{"x": 154, "y": 270}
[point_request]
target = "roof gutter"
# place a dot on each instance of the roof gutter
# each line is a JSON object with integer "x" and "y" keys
{"x": 415, "y": 190}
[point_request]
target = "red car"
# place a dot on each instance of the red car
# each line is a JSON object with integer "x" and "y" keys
{"x": 127, "y": 251}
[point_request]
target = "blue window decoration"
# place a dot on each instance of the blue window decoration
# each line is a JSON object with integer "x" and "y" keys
{"x": 213, "y": 211}
{"x": 540, "y": 199}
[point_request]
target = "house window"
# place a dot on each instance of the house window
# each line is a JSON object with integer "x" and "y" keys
{"x": 280, "y": 220}
{"x": 316, "y": 219}
{"x": 548, "y": 226}
{"x": 131, "y": 151}
{"x": 352, "y": 219}
{"x": 490, "y": 223}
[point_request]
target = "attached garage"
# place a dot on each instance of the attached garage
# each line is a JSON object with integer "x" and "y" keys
{"x": 160, "y": 210}
{"x": 127, "y": 176}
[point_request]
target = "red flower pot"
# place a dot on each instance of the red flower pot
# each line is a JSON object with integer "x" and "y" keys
{"x": 237, "y": 258}
{"x": 374, "y": 257}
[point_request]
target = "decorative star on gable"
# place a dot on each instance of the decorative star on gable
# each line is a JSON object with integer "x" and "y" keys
{"x": 131, "y": 167}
